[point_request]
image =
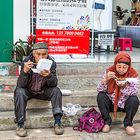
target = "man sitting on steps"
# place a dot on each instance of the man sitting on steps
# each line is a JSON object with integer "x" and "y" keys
{"x": 41, "y": 85}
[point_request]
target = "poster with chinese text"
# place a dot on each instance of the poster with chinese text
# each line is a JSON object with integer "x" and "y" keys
{"x": 64, "y": 25}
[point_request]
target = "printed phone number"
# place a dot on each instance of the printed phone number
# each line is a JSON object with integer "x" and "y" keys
{"x": 70, "y": 33}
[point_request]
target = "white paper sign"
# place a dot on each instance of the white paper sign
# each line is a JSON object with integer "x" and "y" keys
{"x": 105, "y": 39}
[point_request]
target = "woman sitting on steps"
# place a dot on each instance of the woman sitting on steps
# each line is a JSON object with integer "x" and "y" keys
{"x": 115, "y": 95}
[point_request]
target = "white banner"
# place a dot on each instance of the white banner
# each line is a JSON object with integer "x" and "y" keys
{"x": 64, "y": 14}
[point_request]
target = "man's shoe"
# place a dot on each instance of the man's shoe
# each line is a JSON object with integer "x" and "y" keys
{"x": 130, "y": 130}
{"x": 58, "y": 129}
{"x": 21, "y": 131}
{"x": 106, "y": 128}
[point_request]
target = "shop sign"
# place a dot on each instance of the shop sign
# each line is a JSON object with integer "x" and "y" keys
{"x": 105, "y": 39}
{"x": 65, "y": 41}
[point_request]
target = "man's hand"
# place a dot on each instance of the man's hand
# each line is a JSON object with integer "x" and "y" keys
{"x": 45, "y": 73}
{"x": 27, "y": 66}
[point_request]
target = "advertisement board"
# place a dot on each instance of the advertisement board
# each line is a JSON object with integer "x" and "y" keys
{"x": 65, "y": 41}
{"x": 64, "y": 25}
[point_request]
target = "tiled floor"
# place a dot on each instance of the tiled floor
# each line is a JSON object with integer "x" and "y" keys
{"x": 99, "y": 57}
{"x": 109, "y": 57}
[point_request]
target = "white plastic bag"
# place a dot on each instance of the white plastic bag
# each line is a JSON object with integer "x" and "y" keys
{"x": 70, "y": 109}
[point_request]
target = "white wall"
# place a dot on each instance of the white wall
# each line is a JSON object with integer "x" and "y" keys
{"x": 21, "y": 19}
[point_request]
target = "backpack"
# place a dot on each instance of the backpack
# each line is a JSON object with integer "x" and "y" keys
{"x": 91, "y": 121}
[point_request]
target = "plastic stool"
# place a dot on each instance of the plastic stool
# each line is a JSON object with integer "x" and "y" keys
{"x": 123, "y": 43}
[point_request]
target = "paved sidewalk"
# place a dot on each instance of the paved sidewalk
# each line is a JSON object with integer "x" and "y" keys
{"x": 117, "y": 133}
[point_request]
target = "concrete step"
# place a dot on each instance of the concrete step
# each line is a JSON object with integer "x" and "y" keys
{"x": 78, "y": 82}
{"x": 84, "y": 98}
{"x": 117, "y": 133}
{"x": 62, "y": 68}
{"x": 42, "y": 118}
{"x": 87, "y": 68}
{"x": 12, "y": 80}
{"x": 7, "y": 69}
{"x": 71, "y": 82}
{"x": 69, "y": 68}
{"x": 76, "y": 76}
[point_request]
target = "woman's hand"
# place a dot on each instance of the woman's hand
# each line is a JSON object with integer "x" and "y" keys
{"x": 110, "y": 75}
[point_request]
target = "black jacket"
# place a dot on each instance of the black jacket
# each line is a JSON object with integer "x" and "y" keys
{"x": 34, "y": 82}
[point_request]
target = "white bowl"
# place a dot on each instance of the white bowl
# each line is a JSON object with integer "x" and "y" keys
{"x": 121, "y": 82}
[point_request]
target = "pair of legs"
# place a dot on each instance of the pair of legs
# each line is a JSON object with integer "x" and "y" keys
{"x": 21, "y": 96}
{"x": 105, "y": 106}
